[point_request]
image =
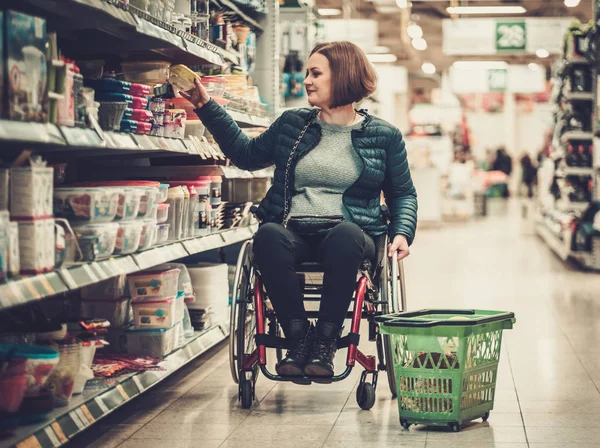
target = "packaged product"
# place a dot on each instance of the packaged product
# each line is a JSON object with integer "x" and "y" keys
{"x": 31, "y": 191}
{"x": 37, "y": 246}
{"x": 152, "y": 342}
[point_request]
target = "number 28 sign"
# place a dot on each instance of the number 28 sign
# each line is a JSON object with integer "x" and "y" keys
{"x": 511, "y": 36}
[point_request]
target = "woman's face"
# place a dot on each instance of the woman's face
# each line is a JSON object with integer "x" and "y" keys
{"x": 318, "y": 81}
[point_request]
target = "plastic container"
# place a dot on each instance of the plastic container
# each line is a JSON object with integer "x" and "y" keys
{"x": 157, "y": 106}
{"x": 185, "y": 220}
{"x": 158, "y": 284}
{"x": 162, "y": 213}
{"x": 193, "y": 220}
{"x": 114, "y": 311}
{"x": 107, "y": 85}
{"x": 148, "y": 237}
{"x": 111, "y": 289}
{"x": 157, "y": 130}
{"x": 157, "y": 342}
{"x": 150, "y": 73}
{"x": 194, "y": 128}
{"x": 163, "y": 193}
{"x": 110, "y": 114}
{"x": 162, "y": 233}
{"x": 62, "y": 379}
{"x": 13, "y": 383}
{"x": 141, "y": 115}
{"x": 445, "y": 363}
{"x": 216, "y": 184}
{"x": 182, "y": 78}
{"x": 214, "y": 86}
{"x": 151, "y": 314}
{"x": 97, "y": 241}
{"x": 128, "y": 237}
{"x": 132, "y": 202}
{"x": 30, "y": 192}
{"x": 141, "y": 90}
{"x": 175, "y": 219}
{"x": 129, "y": 126}
{"x": 143, "y": 128}
{"x": 86, "y": 204}
{"x": 41, "y": 362}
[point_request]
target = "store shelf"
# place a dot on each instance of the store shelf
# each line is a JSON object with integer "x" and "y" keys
{"x": 555, "y": 243}
{"x": 238, "y": 11}
{"x": 578, "y": 61}
{"x": 567, "y": 206}
{"x": 577, "y": 135}
{"x": 246, "y": 120}
{"x": 26, "y": 132}
{"x": 110, "y": 29}
{"x": 579, "y": 96}
{"x": 101, "y": 397}
{"x": 29, "y": 289}
{"x": 574, "y": 171}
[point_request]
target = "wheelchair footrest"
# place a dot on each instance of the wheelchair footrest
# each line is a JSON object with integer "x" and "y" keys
{"x": 271, "y": 341}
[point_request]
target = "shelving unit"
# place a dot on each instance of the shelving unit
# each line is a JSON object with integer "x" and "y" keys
{"x": 555, "y": 223}
{"x": 105, "y": 396}
{"x": 29, "y": 289}
{"x": 107, "y": 30}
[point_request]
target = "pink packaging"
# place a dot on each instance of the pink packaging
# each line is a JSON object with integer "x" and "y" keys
{"x": 142, "y": 115}
{"x": 139, "y": 102}
{"x": 140, "y": 90}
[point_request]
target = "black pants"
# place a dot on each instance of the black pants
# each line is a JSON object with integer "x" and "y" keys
{"x": 277, "y": 251}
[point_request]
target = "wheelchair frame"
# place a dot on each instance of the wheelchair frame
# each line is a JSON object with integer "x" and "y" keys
{"x": 254, "y": 327}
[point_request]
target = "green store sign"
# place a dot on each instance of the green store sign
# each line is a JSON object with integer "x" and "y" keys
{"x": 511, "y": 36}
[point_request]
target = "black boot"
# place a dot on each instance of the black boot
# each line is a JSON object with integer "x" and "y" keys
{"x": 320, "y": 362}
{"x": 301, "y": 334}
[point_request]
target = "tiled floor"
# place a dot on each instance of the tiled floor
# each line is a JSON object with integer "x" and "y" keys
{"x": 549, "y": 378}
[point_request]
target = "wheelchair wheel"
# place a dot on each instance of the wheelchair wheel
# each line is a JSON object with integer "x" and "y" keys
{"x": 365, "y": 396}
{"x": 246, "y": 393}
{"x": 242, "y": 318}
{"x": 392, "y": 290}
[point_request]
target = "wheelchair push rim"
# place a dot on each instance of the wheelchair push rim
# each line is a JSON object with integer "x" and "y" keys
{"x": 242, "y": 317}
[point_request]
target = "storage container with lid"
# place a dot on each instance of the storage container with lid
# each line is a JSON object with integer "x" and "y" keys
{"x": 150, "y": 313}
{"x": 162, "y": 233}
{"x": 41, "y": 361}
{"x": 214, "y": 86}
{"x": 193, "y": 221}
{"x": 97, "y": 241}
{"x": 86, "y": 204}
{"x": 175, "y": 219}
{"x": 162, "y": 213}
{"x": 129, "y": 203}
{"x": 128, "y": 237}
{"x": 148, "y": 237}
{"x": 185, "y": 225}
{"x": 157, "y": 284}
{"x": 154, "y": 72}
{"x": 152, "y": 342}
{"x": 163, "y": 193}
{"x": 182, "y": 78}
{"x": 114, "y": 311}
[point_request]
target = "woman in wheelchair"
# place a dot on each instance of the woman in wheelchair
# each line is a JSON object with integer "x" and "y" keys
{"x": 331, "y": 164}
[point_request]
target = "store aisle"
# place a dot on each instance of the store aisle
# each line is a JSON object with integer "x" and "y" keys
{"x": 549, "y": 378}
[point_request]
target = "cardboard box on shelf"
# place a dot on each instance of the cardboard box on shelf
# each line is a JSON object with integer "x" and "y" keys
{"x": 37, "y": 246}
{"x": 31, "y": 192}
{"x": 26, "y": 72}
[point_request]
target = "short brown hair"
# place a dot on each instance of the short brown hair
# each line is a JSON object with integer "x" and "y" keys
{"x": 353, "y": 78}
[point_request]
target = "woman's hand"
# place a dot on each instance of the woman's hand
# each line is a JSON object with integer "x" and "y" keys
{"x": 399, "y": 244}
{"x": 198, "y": 96}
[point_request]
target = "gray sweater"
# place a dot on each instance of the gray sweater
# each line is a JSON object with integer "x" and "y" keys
{"x": 319, "y": 182}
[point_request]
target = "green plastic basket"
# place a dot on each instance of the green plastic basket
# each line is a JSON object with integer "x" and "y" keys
{"x": 445, "y": 363}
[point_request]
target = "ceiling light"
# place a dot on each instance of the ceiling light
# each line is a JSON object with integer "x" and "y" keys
{"x": 380, "y": 49}
{"x": 414, "y": 31}
{"x": 534, "y": 67}
{"x": 428, "y": 68}
{"x": 402, "y": 4}
{"x": 486, "y": 10}
{"x": 542, "y": 53}
{"x": 480, "y": 64}
{"x": 326, "y": 12}
{"x": 572, "y": 3}
{"x": 419, "y": 44}
{"x": 382, "y": 58}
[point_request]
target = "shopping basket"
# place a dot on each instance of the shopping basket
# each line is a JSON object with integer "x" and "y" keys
{"x": 445, "y": 363}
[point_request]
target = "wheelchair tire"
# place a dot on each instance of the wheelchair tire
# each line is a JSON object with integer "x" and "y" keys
{"x": 242, "y": 318}
{"x": 365, "y": 396}
{"x": 247, "y": 393}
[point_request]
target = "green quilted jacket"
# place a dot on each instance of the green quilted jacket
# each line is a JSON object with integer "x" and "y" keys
{"x": 379, "y": 145}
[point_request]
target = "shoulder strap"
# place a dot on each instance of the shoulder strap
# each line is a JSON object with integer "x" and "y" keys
{"x": 286, "y": 208}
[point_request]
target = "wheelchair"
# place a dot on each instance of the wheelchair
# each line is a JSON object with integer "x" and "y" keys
{"x": 254, "y": 327}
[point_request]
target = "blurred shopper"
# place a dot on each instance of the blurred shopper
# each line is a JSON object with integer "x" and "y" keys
{"x": 528, "y": 174}
{"x": 331, "y": 163}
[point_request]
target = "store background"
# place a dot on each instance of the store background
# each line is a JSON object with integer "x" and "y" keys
{"x": 458, "y": 86}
